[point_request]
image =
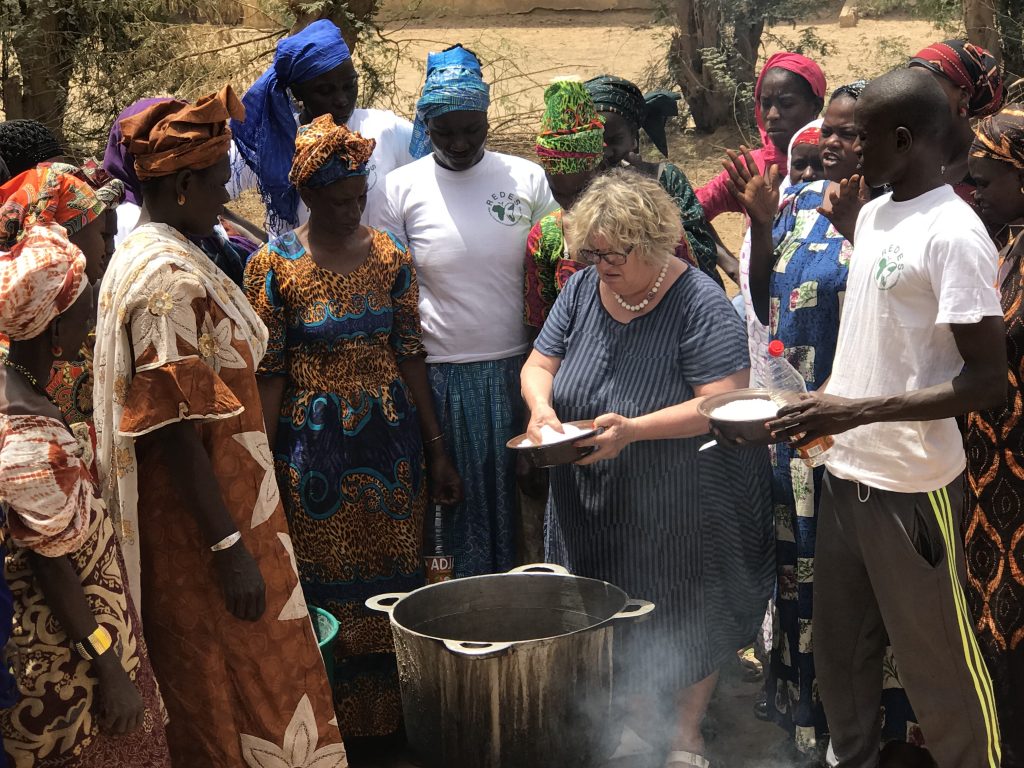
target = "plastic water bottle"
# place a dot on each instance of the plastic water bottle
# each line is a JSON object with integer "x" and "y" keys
{"x": 785, "y": 385}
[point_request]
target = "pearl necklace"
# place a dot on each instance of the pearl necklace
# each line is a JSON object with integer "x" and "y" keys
{"x": 647, "y": 299}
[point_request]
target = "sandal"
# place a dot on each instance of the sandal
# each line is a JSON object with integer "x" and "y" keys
{"x": 681, "y": 757}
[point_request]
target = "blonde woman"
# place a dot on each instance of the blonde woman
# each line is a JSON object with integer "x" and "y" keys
{"x": 634, "y": 342}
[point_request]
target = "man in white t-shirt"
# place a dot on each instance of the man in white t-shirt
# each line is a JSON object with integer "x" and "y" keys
{"x": 920, "y": 341}
{"x": 465, "y": 214}
{"x": 312, "y": 75}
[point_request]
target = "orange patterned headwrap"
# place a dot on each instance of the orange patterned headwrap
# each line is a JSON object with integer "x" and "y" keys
{"x": 173, "y": 135}
{"x": 51, "y": 193}
{"x": 326, "y": 152}
{"x": 39, "y": 280}
{"x": 1001, "y": 137}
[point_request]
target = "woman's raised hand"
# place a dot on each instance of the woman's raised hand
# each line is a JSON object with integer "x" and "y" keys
{"x": 844, "y": 204}
{"x": 758, "y": 195}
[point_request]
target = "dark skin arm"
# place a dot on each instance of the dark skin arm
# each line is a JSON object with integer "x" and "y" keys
{"x": 235, "y": 224}
{"x": 179, "y": 447}
{"x": 120, "y": 706}
{"x": 445, "y": 483}
{"x": 844, "y": 204}
{"x": 728, "y": 263}
{"x": 981, "y": 385}
{"x": 759, "y": 196}
{"x": 271, "y": 396}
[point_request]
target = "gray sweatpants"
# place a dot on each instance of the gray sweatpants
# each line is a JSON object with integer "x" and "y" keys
{"x": 894, "y": 562}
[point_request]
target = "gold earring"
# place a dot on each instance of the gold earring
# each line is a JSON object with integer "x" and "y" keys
{"x": 181, "y": 198}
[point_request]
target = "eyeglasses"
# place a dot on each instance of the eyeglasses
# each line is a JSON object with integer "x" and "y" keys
{"x": 611, "y": 258}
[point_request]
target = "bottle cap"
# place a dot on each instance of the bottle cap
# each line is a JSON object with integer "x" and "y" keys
{"x": 776, "y": 348}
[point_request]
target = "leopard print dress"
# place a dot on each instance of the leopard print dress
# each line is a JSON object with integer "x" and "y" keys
{"x": 349, "y": 456}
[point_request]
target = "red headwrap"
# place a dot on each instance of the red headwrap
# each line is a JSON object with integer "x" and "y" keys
{"x": 970, "y": 67}
{"x": 810, "y": 136}
{"x": 798, "y": 65}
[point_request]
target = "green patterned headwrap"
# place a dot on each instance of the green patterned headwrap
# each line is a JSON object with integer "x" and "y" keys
{"x": 571, "y": 138}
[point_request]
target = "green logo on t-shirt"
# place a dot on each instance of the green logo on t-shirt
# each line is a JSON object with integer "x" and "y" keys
{"x": 505, "y": 208}
{"x": 889, "y": 268}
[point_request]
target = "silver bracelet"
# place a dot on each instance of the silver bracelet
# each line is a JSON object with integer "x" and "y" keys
{"x": 228, "y": 541}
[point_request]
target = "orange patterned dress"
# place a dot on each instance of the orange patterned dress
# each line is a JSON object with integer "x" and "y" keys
{"x": 994, "y": 520}
{"x": 177, "y": 340}
{"x": 48, "y": 493}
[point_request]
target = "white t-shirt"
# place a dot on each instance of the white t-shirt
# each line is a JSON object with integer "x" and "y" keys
{"x": 392, "y": 134}
{"x": 467, "y": 233}
{"x": 918, "y": 266}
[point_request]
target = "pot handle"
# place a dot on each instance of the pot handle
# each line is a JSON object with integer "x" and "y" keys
{"x": 385, "y": 603}
{"x": 541, "y": 568}
{"x": 634, "y": 610}
{"x": 476, "y": 650}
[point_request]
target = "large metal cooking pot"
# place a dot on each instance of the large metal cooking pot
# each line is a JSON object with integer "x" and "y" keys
{"x": 511, "y": 670}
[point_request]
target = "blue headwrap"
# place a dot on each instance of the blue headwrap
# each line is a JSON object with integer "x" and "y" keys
{"x": 454, "y": 83}
{"x": 266, "y": 140}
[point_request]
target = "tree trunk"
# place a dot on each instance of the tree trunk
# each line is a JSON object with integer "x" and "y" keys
{"x": 980, "y": 22}
{"x": 45, "y": 54}
{"x": 351, "y": 17}
{"x": 1010, "y": 20}
{"x": 698, "y": 25}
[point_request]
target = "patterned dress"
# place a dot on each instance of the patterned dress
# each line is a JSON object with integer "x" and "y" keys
{"x": 349, "y": 455}
{"x": 995, "y": 526}
{"x": 688, "y": 530}
{"x": 806, "y": 294}
{"x": 698, "y": 231}
{"x": 48, "y": 490}
{"x": 177, "y": 340}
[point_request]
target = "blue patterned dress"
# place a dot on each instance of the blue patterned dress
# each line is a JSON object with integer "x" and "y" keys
{"x": 806, "y": 294}
{"x": 349, "y": 455}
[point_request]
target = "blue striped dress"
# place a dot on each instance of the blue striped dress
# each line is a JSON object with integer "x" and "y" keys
{"x": 689, "y": 531}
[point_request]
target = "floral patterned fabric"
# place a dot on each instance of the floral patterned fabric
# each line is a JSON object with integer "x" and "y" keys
{"x": 349, "y": 456}
{"x": 806, "y": 294}
{"x": 48, "y": 491}
{"x": 177, "y": 340}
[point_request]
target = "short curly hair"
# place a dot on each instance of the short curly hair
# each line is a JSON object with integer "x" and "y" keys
{"x": 627, "y": 209}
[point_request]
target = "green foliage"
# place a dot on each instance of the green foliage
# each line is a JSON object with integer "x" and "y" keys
{"x": 75, "y": 64}
{"x": 808, "y": 42}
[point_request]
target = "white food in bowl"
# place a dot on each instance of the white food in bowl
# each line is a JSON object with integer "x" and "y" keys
{"x": 746, "y": 410}
{"x": 549, "y": 435}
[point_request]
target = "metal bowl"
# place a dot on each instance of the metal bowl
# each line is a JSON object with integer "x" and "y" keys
{"x": 555, "y": 454}
{"x": 751, "y": 432}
